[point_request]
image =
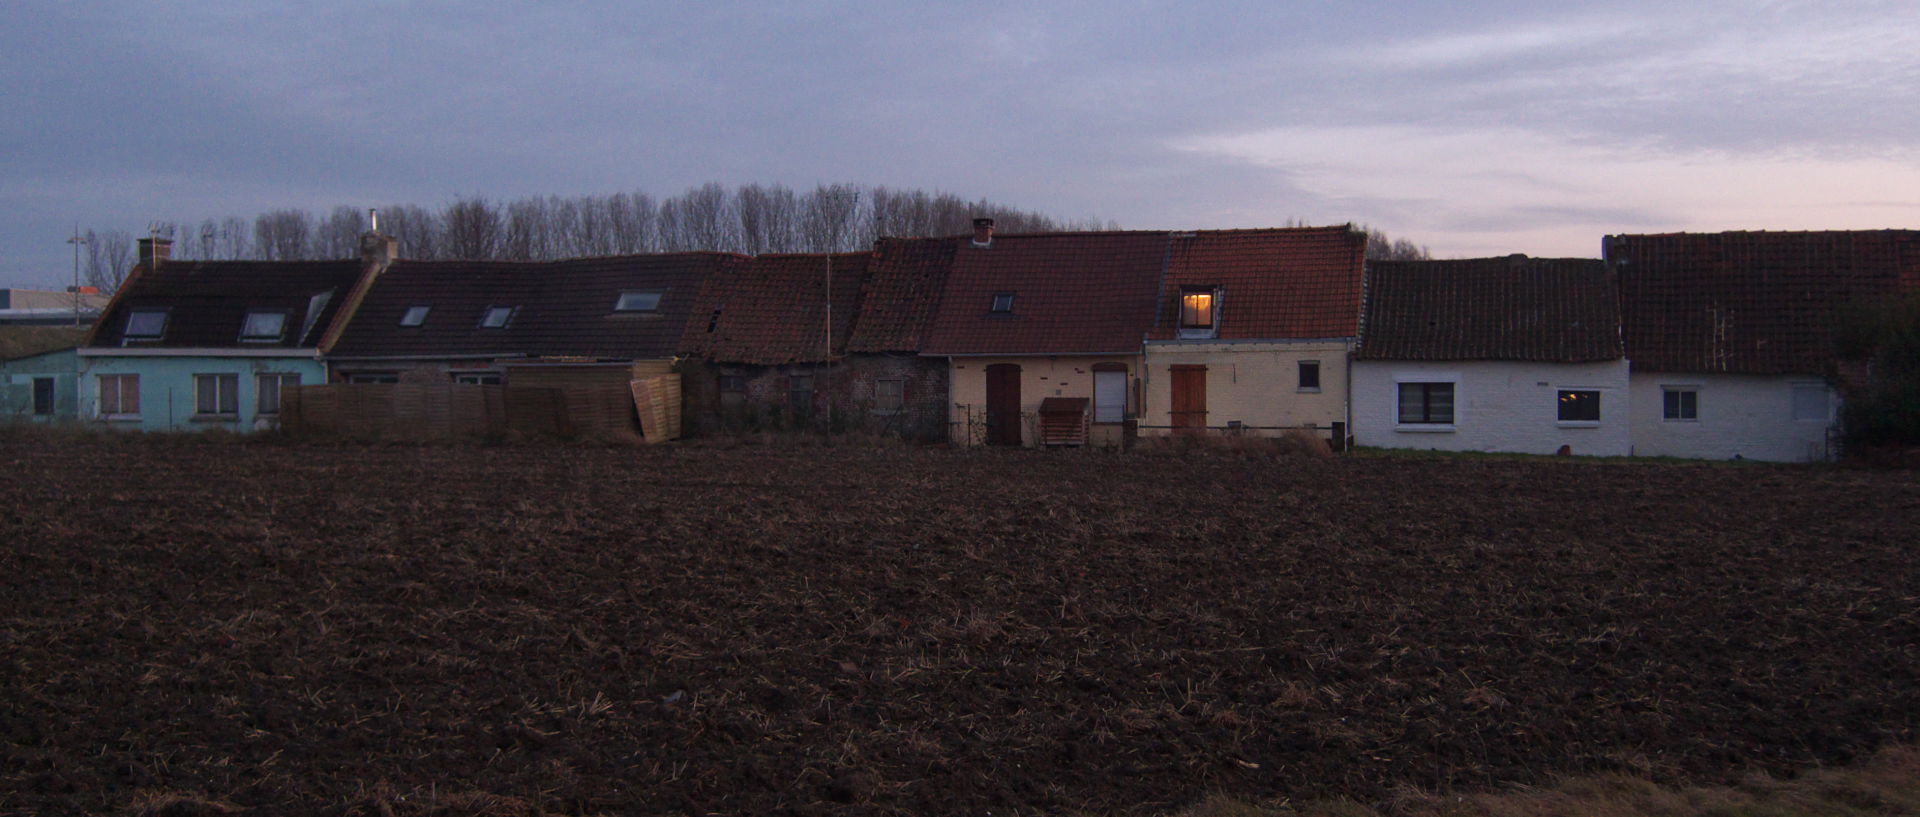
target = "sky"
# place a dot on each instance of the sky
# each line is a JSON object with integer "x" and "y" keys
{"x": 1473, "y": 127}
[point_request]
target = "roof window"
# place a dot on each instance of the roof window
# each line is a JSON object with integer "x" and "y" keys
{"x": 146, "y": 324}
{"x": 415, "y": 316}
{"x": 638, "y": 301}
{"x": 1002, "y": 303}
{"x": 497, "y": 317}
{"x": 266, "y": 326}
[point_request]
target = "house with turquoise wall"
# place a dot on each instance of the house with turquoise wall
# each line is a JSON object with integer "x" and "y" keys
{"x": 208, "y": 345}
{"x": 40, "y": 388}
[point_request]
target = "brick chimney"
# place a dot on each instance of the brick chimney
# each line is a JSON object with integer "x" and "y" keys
{"x": 983, "y": 232}
{"x": 155, "y": 251}
{"x": 377, "y": 250}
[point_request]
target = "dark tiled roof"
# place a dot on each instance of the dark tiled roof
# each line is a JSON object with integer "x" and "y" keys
{"x": 1073, "y": 293}
{"x": 1750, "y": 302}
{"x": 207, "y": 301}
{"x": 772, "y": 309}
{"x": 561, "y": 308}
{"x": 1288, "y": 283}
{"x": 904, "y": 283}
{"x": 1515, "y": 308}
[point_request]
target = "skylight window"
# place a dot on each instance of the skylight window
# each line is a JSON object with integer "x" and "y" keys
{"x": 416, "y": 315}
{"x": 640, "y": 301}
{"x": 1002, "y": 303}
{"x": 146, "y": 324}
{"x": 497, "y": 317}
{"x": 264, "y": 326}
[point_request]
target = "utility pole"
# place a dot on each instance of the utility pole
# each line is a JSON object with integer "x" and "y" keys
{"x": 833, "y": 243}
{"x": 76, "y": 241}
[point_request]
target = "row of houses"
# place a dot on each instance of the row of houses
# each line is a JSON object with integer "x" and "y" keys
{"x": 1691, "y": 345}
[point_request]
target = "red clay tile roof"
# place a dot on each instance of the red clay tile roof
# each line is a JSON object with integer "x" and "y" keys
{"x": 1288, "y": 283}
{"x": 1560, "y": 310}
{"x": 1073, "y": 293}
{"x": 1751, "y": 302}
{"x": 561, "y": 308}
{"x": 772, "y": 309}
{"x": 207, "y": 302}
{"x": 904, "y": 283}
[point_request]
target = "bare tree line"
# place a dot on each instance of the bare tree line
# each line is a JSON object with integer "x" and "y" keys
{"x": 751, "y": 219}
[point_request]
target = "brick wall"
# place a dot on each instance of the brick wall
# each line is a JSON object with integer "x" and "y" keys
{"x": 845, "y": 397}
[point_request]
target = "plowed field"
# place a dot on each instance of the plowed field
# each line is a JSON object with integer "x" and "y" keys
{"x": 354, "y": 630}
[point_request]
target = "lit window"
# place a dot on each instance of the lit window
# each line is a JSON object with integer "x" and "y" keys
{"x": 1426, "y": 403}
{"x": 415, "y": 316}
{"x": 1579, "y": 406}
{"x": 120, "y": 396}
{"x": 1197, "y": 318}
{"x": 146, "y": 324}
{"x": 269, "y": 388}
{"x": 637, "y": 302}
{"x": 496, "y": 317}
{"x": 477, "y": 378}
{"x": 216, "y": 395}
{"x": 1309, "y": 375}
{"x": 263, "y": 326}
{"x": 1680, "y": 404}
{"x": 1003, "y": 303}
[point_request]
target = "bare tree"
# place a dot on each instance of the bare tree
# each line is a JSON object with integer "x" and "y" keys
{"x": 631, "y": 217}
{"x": 338, "y": 235}
{"x": 1382, "y": 248}
{"x": 827, "y": 214}
{"x": 109, "y": 259}
{"x": 471, "y": 229}
{"x": 282, "y": 235}
{"x": 416, "y": 229}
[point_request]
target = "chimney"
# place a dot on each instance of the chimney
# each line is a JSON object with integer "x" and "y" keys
{"x": 155, "y": 251}
{"x": 983, "y": 232}
{"x": 378, "y": 250}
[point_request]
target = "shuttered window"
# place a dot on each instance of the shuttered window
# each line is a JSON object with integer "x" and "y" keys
{"x": 216, "y": 395}
{"x": 120, "y": 395}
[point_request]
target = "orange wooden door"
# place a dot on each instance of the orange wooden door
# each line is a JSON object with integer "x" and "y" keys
{"x": 1189, "y": 408}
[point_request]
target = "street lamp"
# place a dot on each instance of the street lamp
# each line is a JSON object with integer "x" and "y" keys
{"x": 76, "y": 241}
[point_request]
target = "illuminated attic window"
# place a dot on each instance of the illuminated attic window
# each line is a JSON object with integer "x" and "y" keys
{"x": 415, "y": 316}
{"x": 1199, "y": 309}
{"x": 497, "y": 317}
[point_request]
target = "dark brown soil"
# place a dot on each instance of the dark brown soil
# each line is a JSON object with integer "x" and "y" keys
{"x": 524, "y": 629}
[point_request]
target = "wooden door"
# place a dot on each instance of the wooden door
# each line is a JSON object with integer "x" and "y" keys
{"x": 1003, "y": 404}
{"x": 1189, "y": 408}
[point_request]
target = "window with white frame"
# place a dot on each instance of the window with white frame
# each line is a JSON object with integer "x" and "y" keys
{"x": 119, "y": 396}
{"x": 1109, "y": 394}
{"x": 1426, "y": 403}
{"x": 269, "y": 386}
{"x": 1309, "y": 375}
{"x": 1579, "y": 406}
{"x": 1679, "y": 403}
{"x": 1812, "y": 403}
{"x": 216, "y": 395}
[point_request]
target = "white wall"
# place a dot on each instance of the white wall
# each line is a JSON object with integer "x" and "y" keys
{"x": 1255, "y": 383}
{"x": 1507, "y": 406}
{"x": 1750, "y": 416}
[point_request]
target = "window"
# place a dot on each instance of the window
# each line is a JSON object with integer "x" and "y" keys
{"x": 477, "y": 378}
{"x": 800, "y": 394}
{"x": 496, "y": 317}
{"x": 637, "y": 302}
{"x": 1679, "y": 403}
{"x": 733, "y": 383}
{"x": 1002, "y": 303}
{"x": 1811, "y": 402}
{"x": 43, "y": 396}
{"x": 269, "y": 389}
{"x": 216, "y": 395}
{"x": 1309, "y": 375}
{"x": 1197, "y": 318}
{"x": 1579, "y": 406}
{"x": 415, "y": 316}
{"x": 120, "y": 396}
{"x": 267, "y": 326}
{"x": 889, "y": 395}
{"x": 1109, "y": 394}
{"x": 146, "y": 324}
{"x": 1426, "y": 403}
{"x": 374, "y": 377}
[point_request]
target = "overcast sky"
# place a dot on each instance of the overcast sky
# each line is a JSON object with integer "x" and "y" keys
{"x": 1479, "y": 128}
